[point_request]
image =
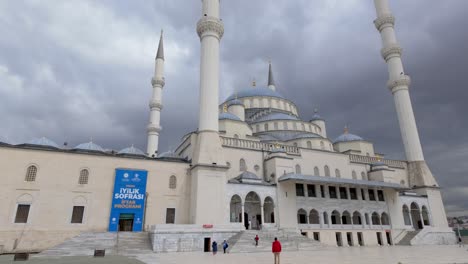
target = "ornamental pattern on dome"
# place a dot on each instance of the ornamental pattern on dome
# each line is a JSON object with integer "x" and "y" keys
{"x": 89, "y": 146}
{"x": 43, "y": 141}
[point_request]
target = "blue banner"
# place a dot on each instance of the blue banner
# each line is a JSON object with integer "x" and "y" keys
{"x": 128, "y": 200}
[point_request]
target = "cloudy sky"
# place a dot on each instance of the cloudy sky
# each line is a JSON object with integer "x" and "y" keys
{"x": 76, "y": 70}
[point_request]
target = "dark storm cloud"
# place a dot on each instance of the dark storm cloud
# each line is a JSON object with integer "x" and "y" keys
{"x": 77, "y": 70}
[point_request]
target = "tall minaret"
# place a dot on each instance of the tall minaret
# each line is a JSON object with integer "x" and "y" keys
{"x": 155, "y": 104}
{"x": 208, "y": 170}
{"x": 420, "y": 176}
{"x": 271, "y": 80}
{"x": 210, "y": 29}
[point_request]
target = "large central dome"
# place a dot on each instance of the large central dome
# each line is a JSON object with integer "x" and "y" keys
{"x": 255, "y": 91}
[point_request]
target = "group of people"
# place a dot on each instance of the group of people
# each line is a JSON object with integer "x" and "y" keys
{"x": 275, "y": 248}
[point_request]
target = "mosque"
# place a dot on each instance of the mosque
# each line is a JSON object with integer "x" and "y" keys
{"x": 252, "y": 164}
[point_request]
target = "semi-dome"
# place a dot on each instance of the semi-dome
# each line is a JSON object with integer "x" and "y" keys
{"x": 276, "y": 116}
{"x": 131, "y": 151}
{"x": 228, "y": 116}
{"x": 255, "y": 91}
{"x": 234, "y": 102}
{"x": 43, "y": 141}
{"x": 347, "y": 137}
{"x": 89, "y": 146}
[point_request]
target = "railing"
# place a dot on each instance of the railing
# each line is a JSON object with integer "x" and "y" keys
{"x": 369, "y": 160}
{"x": 256, "y": 145}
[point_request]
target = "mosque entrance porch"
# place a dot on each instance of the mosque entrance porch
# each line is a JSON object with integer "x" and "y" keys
{"x": 126, "y": 222}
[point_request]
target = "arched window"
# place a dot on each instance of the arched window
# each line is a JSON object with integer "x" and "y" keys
{"x": 335, "y": 218}
{"x": 316, "y": 171}
{"x": 346, "y": 218}
{"x": 327, "y": 171}
{"x": 172, "y": 182}
{"x": 295, "y": 144}
{"x": 357, "y": 218}
{"x": 301, "y": 216}
{"x": 309, "y": 144}
{"x": 375, "y": 219}
{"x": 314, "y": 217}
{"x": 353, "y": 174}
{"x": 303, "y": 127}
{"x": 266, "y": 127}
{"x": 322, "y": 145}
{"x": 242, "y": 165}
{"x": 31, "y": 173}
{"x": 363, "y": 176}
{"x": 298, "y": 169}
{"x": 84, "y": 177}
{"x": 384, "y": 219}
{"x": 337, "y": 173}
{"x": 257, "y": 128}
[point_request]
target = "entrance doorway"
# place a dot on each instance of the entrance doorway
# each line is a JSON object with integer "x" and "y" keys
{"x": 126, "y": 222}
{"x": 252, "y": 207}
{"x": 207, "y": 244}
{"x": 246, "y": 221}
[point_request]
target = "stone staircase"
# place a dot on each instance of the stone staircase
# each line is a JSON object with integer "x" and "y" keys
{"x": 122, "y": 243}
{"x": 290, "y": 241}
{"x": 406, "y": 240}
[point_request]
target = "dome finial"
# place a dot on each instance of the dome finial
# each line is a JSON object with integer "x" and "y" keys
{"x": 346, "y": 129}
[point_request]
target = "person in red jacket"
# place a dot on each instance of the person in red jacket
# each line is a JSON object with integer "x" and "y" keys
{"x": 276, "y": 249}
{"x": 256, "y": 240}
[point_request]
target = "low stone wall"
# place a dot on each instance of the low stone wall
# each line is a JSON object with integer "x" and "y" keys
{"x": 32, "y": 241}
{"x": 184, "y": 238}
{"x": 435, "y": 236}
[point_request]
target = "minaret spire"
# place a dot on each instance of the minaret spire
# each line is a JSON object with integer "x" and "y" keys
{"x": 271, "y": 80}
{"x": 155, "y": 104}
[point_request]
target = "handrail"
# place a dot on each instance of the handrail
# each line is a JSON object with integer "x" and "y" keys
{"x": 370, "y": 160}
{"x": 257, "y": 145}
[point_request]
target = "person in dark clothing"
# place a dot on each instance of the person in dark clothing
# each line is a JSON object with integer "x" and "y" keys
{"x": 256, "y": 240}
{"x": 460, "y": 242}
{"x": 276, "y": 249}
{"x": 225, "y": 246}
{"x": 214, "y": 246}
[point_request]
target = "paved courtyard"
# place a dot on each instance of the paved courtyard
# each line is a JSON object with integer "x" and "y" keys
{"x": 331, "y": 255}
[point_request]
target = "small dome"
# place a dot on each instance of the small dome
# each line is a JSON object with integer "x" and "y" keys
{"x": 246, "y": 175}
{"x": 276, "y": 116}
{"x": 235, "y": 102}
{"x": 43, "y": 141}
{"x": 90, "y": 146}
{"x": 228, "y": 116}
{"x": 169, "y": 155}
{"x": 255, "y": 91}
{"x": 131, "y": 151}
{"x": 347, "y": 137}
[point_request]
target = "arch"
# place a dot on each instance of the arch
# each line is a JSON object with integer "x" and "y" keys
{"x": 335, "y": 218}
{"x": 265, "y": 126}
{"x": 416, "y": 216}
{"x": 79, "y": 201}
{"x": 357, "y": 220}
{"x": 309, "y": 144}
{"x": 375, "y": 218}
{"x": 337, "y": 173}
{"x": 301, "y": 216}
{"x": 25, "y": 198}
{"x": 354, "y": 175}
{"x": 327, "y": 171}
{"x": 346, "y": 218}
{"x": 235, "y": 209}
{"x": 425, "y": 216}
{"x": 172, "y": 182}
{"x": 295, "y": 144}
{"x": 298, "y": 169}
{"x": 269, "y": 210}
{"x": 406, "y": 215}
{"x": 316, "y": 171}
{"x": 314, "y": 217}
{"x": 84, "y": 177}
{"x": 31, "y": 173}
{"x": 363, "y": 175}
{"x": 242, "y": 165}
{"x": 384, "y": 220}
{"x": 252, "y": 209}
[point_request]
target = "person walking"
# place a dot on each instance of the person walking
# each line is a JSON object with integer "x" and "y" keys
{"x": 256, "y": 240}
{"x": 214, "y": 246}
{"x": 460, "y": 242}
{"x": 276, "y": 249}
{"x": 225, "y": 246}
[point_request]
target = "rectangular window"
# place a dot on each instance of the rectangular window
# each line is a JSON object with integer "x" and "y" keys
{"x": 371, "y": 195}
{"x": 363, "y": 195}
{"x": 353, "y": 193}
{"x": 380, "y": 195}
{"x": 170, "y": 215}
{"x": 343, "y": 193}
{"x": 311, "y": 190}
{"x": 77, "y": 215}
{"x": 22, "y": 213}
{"x": 299, "y": 189}
{"x": 322, "y": 191}
{"x": 332, "y": 191}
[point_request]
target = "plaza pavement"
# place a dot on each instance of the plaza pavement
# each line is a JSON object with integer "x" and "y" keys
{"x": 329, "y": 255}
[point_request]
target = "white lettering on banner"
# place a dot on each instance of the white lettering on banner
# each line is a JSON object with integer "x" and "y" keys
{"x": 129, "y": 193}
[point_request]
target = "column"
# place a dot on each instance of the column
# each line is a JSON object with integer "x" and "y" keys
{"x": 262, "y": 214}
{"x": 243, "y": 215}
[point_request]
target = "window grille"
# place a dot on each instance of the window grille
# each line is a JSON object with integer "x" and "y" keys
{"x": 31, "y": 174}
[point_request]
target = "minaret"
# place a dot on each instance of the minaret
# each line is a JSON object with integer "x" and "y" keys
{"x": 208, "y": 170}
{"x": 420, "y": 176}
{"x": 155, "y": 104}
{"x": 271, "y": 80}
